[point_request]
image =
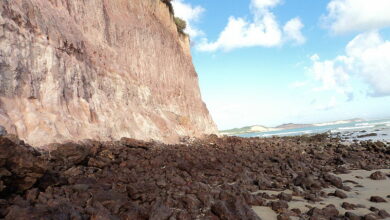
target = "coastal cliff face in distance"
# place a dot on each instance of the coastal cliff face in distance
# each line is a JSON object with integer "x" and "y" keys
{"x": 73, "y": 70}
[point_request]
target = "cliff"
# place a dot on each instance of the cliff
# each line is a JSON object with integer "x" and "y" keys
{"x": 73, "y": 70}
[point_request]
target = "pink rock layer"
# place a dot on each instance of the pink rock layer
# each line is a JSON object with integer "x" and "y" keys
{"x": 73, "y": 70}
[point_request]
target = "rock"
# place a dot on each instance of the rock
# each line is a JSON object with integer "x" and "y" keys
{"x": 308, "y": 182}
{"x": 23, "y": 162}
{"x": 3, "y": 131}
{"x": 334, "y": 180}
{"x": 279, "y": 206}
{"x": 383, "y": 214}
{"x": 133, "y": 143}
{"x": 231, "y": 210}
{"x": 191, "y": 202}
{"x": 370, "y": 216}
{"x": 69, "y": 153}
{"x": 367, "y": 135}
{"x": 348, "y": 206}
{"x": 377, "y": 199}
{"x": 378, "y": 175}
{"x": 352, "y": 216}
{"x": 283, "y": 217}
{"x": 373, "y": 209}
{"x": 330, "y": 211}
{"x": 205, "y": 179}
{"x": 160, "y": 211}
{"x": 297, "y": 211}
{"x": 340, "y": 194}
{"x": 285, "y": 197}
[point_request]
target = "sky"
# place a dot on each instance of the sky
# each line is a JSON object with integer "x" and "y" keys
{"x": 269, "y": 62}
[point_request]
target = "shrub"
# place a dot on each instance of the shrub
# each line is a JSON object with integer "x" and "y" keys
{"x": 180, "y": 24}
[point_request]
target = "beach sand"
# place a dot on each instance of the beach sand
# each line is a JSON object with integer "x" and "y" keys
{"x": 361, "y": 191}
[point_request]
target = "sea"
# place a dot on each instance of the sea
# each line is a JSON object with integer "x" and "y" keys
{"x": 375, "y": 130}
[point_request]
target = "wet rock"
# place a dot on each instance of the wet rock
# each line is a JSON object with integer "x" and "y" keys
{"x": 377, "y": 199}
{"x": 367, "y": 135}
{"x": 378, "y": 175}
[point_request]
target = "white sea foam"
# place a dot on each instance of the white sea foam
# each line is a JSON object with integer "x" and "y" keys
{"x": 287, "y": 133}
{"x": 355, "y": 128}
{"x": 373, "y": 123}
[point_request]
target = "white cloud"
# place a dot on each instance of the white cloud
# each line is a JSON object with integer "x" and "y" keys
{"x": 298, "y": 84}
{"x": 263, "y": 30}
{"x": 367, "y": 57}
{"x": 190, "y": 14}
{"x": 357, "y": 15}
{"x": 330, "y": 73}
{"x": 328, "y": 106}
{"x": 292, "y": 29}
{"x": 263, "y": 4}
{"x": 241, "y": 33}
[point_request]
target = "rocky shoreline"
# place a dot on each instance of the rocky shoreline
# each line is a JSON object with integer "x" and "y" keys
{"x": 213, "y": 178}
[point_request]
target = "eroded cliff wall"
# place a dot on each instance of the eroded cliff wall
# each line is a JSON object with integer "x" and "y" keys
{"x": 96, "y": 69}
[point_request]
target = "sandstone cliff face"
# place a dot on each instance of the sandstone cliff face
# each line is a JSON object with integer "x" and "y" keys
{"x": 102, "y": 69}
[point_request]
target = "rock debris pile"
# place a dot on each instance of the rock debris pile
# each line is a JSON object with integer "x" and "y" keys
{"x": 213, "y": 178}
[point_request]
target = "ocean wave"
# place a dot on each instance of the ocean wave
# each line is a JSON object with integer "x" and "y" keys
{"x": 287, "y": 133}
{"x": 355, "y": 127}
{"x": 362, "y": 124}
{"x": 372, "y": 123}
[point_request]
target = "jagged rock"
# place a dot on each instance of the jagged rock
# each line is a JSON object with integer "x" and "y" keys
{"x": 215, "y": 179}
{"x": 20, "y": 166}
